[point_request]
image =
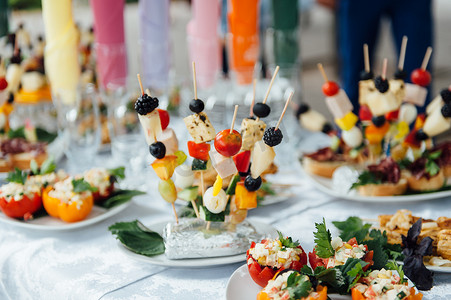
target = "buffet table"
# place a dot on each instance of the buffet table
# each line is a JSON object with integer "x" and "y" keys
{"x": 87, "y": 263}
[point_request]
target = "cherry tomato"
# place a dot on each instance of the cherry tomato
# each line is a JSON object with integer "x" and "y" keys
{"x": 199, "y": 151}
{"x": 330, "y": 88}
{"x": 228, "y": 144}
{"x": 315, "y": 261}
{"x": 421, "y": 77}
{"x": 23, "y": 208}
{"x": 242, "y": 161}
{"x": 3, "y": 83}
{"x": 392, "y": 116}
{"x": 164, "y": 118}
{"x": 262, "y": 274}
{"x": 365, "y": 113}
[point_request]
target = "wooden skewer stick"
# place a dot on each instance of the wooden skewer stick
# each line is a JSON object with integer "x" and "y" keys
{"x": 384, "y": 69}
{"x": 284, "y": 110}
{"x": 366, "y": 57}
{"x": 140, "y": 83}
{"x": 233, "y": 119}
{"x": 196, "y": 211}
{"x": 321, "y": 69}
{"x": 175, "y": 213}
{"x": 251, "y": 113}
{"x": 270, "y": 84}
{"x": 427, "y": 56}
{"x": 194, "y": 80}
{"x": 148, "y": 92}
{"x": 402, "y": 54}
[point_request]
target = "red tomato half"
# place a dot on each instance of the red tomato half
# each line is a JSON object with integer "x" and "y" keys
{"x": 228, "y": 144}
{"x": 199, "y": 151}
{"x": 99, "y": 198}
{"x": 262, "y": 274}
{"x": 242, "y": 161}
{"x": 24, "y": 208}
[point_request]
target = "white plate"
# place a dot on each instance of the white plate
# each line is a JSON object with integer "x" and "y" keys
{"x": 48, "y": 223}
{"x": 285, "y": 186}
{"x": 241, "y": 287}
{"x": 439, "y": 269}
{"x": 161, "y": 259}
{"x": 325, "y": 185}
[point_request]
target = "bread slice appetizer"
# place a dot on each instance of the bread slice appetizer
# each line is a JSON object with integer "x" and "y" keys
{"x": 323, "y": 162}
{"x": 426, "y": 174}
{"x": 383, "y": 179}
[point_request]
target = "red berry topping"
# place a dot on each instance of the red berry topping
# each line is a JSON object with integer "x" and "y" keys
{"x": 365, "y": 113}
{"x": 164, "y": 118}
{"x": 330, "y": 88}
{"x": 421, "y": 77}
{"x": 3, "y": 83}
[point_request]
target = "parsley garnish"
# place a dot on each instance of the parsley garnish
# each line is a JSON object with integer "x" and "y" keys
{"x": 357, "y": 272}
{"x": 392, "y": 265}
{"x": 431, "y": 166}
{"x": 287, "y": 242}
{"x": 323, "y": 241}
{"x": 118, "y": 172}
{"x": 17, "y": 176}
{"x": 352, "y": 227}
{"x": 80, "y": 185}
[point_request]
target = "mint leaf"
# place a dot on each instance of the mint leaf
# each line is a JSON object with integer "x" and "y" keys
{"x": 137, "y": 238}
{"x": 323, "y": 240}
{"x": 16, "y": 133}
{"x": 431, "y": 167}
{"x": 17, "y": 176}
{"x": 118, "y": 172}
{"x": 434, "y": 155}
{"x": 80, "y": 185}
{"x": 287, "y": 242}
{"x": 45, "y": 136}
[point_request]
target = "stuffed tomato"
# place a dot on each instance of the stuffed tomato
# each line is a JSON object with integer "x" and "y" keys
{"x": 20, "y": 200}
{"x": 270, "y": 256}
{"x": 280, "y": 287}
{"x": 70, "y": 200}
{"x": 384, "y": 284}
{"x": 343, "y": 251}
{"x": 103, "y": 180}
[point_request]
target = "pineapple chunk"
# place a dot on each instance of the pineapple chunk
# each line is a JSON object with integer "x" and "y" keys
{"x": 262, "y": 158}
{"x": 151, "y": 125}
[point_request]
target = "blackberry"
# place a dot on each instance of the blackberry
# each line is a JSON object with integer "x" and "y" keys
{"x": 196, "y": 106}
{"x": 327, "y": 128}
{"x": 157, "y": 150}
{"x": 378, "y": 121}
{"x": 261, "y": 110}
{"x": 272, "y": 137}
{"x": 446, "y": 95}
{"x": 400, "y": 74}
{"x": 420, "y": 135}
{"x": 381, "y": 84}
{"x": 252, "y": 184}
{"x": 145, "y": 104}
{"x": 364, "y": 75}
{"x": 303, "y": 108}
{"x": 446, "y": 110}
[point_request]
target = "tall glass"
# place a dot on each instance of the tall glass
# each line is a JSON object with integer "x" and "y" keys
{"x": 128, "y": 146}
{"x": 79, "y": 127}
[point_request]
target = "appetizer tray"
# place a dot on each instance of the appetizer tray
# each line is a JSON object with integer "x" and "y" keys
{"x": 325, "y": 185}
{"x": 161, "y": 259}
{"x": 48, "y": 223}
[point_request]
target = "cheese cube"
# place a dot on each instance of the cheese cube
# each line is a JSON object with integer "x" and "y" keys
{"x": 224, "y": 166}
{"x": 200, "y": 128}
{"x": 262, "y": 158}
{"x": 32, "y": 81}
{"x": 312, "y": 120}
{"x": 415, "y": 94}
{"x": 151, "y": 125}
{"x": 339, "y": 105}
{"x": 397, "y": 87}
{"x": 251, "y": 132}
{"x": 365, "y": 88}
{"x": 437, "y": 103}
{"x": 382, "y": 103}
{"x": 436, "y": 123}
{"x": 169, "y": 139}
{"x": 347, "y": 122}
{"x": 13, "y": 75}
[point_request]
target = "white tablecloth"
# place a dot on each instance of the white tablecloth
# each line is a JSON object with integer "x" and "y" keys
{"x": 87, "y": 264}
